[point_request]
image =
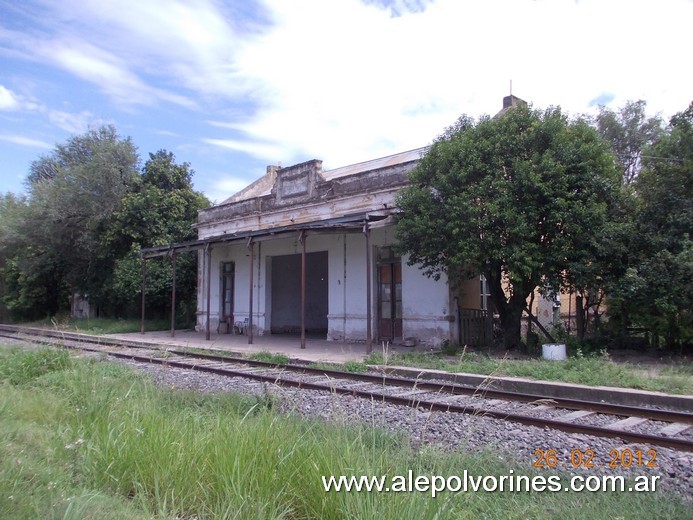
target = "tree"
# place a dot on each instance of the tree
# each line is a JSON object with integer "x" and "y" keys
{"x": 655, "y": 290}
{"x": 70, "y": 210}
{"x": 53, "y": 243}
{"x": 629, "y": 131}
{"x": 519, "y": 198}
{"x": 160, "y": 211}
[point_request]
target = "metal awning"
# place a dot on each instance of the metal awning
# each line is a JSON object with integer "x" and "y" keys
{"x": 348, "y": 222}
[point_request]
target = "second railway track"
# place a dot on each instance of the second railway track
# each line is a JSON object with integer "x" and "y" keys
{"x": 632, "y": 424}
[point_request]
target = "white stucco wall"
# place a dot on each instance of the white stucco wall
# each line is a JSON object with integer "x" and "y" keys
{"x": 426, "y": 302}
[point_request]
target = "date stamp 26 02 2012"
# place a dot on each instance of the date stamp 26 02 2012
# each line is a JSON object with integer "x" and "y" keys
{"x": 618, "y": 458}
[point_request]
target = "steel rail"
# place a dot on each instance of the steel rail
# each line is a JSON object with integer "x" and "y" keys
{"x": 667, "y": 442}
{"x": 678, "y": 444}
{"x": 559, "y": 402}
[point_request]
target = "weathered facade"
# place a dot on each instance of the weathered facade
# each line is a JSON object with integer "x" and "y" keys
{"x": 312, "y": 250}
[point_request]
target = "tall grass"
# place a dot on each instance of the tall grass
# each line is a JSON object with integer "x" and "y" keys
{"x": 100, "y": 325}
{"x": 99, "y": 440}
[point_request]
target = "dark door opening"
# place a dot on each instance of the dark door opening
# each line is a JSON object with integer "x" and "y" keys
{"x": 286, "y": 294}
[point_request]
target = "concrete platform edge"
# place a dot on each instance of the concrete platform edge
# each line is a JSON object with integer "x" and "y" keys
{"x": 616, "y": 395}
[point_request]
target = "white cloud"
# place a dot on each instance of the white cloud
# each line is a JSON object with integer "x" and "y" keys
{"x": 189, "y": 43}
{"x": 346, "y": 81}
{"x": 72, "y": 123}
{"x": 349, "y": 80}
{"x": 254, "y": 148}
{"x": 25, "y": 141}
{"x": 110, "y": 74}
{"x": 8, "y": 99}
{"x": 226, "y": 186}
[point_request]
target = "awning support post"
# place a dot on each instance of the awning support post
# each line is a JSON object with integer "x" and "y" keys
{"x": 369, "y": 331}
{"x": 208, "y": 257}
{"x": 173, "y": 295}
{"x": 144, "y": 286}
{"x": 251, "y": 248}
{"x": 302, "y": 240}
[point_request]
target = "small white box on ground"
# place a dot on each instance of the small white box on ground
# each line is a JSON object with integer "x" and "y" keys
{"x": 554, "y": 351}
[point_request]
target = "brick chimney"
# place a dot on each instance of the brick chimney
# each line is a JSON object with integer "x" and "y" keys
{"x": 512, "y": 101}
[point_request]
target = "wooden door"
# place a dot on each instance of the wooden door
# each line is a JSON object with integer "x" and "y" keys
{"x": 390, "y": 301}
{"x": 227, "y": 280}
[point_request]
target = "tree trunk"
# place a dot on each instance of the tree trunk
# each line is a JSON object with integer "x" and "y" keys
{"x": 509, "y": 310}
{"x": 580, "y": 318}
{"x": 511, "y": 320}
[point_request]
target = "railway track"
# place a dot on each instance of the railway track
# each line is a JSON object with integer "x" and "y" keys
{"x": 656, "y": 427}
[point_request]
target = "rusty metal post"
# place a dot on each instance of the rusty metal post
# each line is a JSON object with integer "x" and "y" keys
{"x": 208, "y": 255}
{"x": 302, "y": 240}
{"x": 251, "y": 248}
{"x": 369, "y": 331}
{"x": 144, "y": 282}
{"x": 173, "y": 295}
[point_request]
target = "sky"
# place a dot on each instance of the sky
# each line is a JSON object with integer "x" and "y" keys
{"x": 231, "y": 86}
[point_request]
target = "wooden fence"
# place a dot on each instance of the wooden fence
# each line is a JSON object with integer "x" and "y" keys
{"x": 476, "y": 327}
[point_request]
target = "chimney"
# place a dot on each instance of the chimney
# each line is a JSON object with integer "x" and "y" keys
{"x": 510, "y": 102}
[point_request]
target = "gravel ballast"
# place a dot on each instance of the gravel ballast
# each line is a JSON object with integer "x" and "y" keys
{"x": 449, "y": 431}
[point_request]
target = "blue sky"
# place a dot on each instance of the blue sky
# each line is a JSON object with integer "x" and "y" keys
{"x": 232, "y": 86}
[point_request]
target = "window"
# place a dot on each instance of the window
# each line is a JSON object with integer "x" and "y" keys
{"x": 484, "y": 292}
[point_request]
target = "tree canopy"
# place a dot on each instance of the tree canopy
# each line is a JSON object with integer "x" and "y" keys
{"x": 629, "y": 131}
{"x": 655, "y": 290}
{"x": 88, "y": 212}
{"x": 520, "y": 198}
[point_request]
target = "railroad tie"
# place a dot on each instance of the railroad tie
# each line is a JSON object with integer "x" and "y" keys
{"x": 578, "y": 414}
{"x": 674, "y": 429}
{"x": 627, "y": 423}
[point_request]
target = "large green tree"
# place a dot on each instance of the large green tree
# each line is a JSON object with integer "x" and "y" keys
{"x": 55, "y": 246}
{"x": 72, "y": 207}
{"x": 655, "y": 291}
{"x": 161, "y": 210}
{"x": 629, "y": 131}
{"x": 30, "y": 277}
{"x": 520, "y": 198}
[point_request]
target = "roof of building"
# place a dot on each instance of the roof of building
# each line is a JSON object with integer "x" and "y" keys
{"x": 375, "y": 164}
{"x": 263, "y": 186}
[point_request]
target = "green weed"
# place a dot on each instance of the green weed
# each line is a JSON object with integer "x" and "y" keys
{"x": 594, "y": 370}
{"x": 99, "y": 440}
{"x": 269, "y": 357}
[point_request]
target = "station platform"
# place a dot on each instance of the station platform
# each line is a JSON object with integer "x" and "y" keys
{"x": 317, "y": 349}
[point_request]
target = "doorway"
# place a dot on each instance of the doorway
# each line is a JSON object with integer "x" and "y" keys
{"x": 390, "y": 300}
{"x": 286, "y": 293}
{"x": 227, "y": 286}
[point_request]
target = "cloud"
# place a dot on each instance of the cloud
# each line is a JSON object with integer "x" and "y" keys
{"x": 70, "y": 122}
{"x": 602, "y": 99}
{"x": 346, "y": 81}
{"x": 110, "y": 74}
{"x": 349, "y": 80}
{"x": 25, "y": 141}
{"x": 73, "y": 123}
{"x": 230, "y": 185}
{"x": 254, "y": 148}
{"x": 8, "y": 99}
{"x": 190, "y": 43}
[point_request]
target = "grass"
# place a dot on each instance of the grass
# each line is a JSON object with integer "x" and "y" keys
{"x": 100, "y": 325}
{"x": 88, "y": 439}
{"x": 269, "y": 357}
{"x": 356, "y": 367}
{"x": 588, "y": 370}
